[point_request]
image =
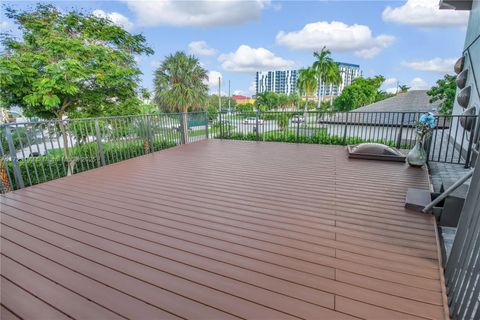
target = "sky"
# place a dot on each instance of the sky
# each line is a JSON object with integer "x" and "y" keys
{"x": 410, "y": 42}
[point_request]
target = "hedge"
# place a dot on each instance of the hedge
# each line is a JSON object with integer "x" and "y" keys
{"x": 40, "y": 169}
{"x": 320, "y": 138}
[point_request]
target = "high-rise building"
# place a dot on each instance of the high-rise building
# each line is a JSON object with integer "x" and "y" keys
{"x": 279, "y": 81}
{"x": 285, "y": 81}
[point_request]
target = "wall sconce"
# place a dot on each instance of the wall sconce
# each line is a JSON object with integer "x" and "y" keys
{"x": 459, "y": 65}
{"x": 462, "y": 79}
{"x": 463, "y": 96}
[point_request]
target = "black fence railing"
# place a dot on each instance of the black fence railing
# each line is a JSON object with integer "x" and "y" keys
{"x": 462, "y": 271}
{"x": 36, "y": 152}
{"x": 449, "y": 142}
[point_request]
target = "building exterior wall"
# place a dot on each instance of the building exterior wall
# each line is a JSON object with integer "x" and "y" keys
{"x": 471, "y": 52}
{"x": 285, "y": 81}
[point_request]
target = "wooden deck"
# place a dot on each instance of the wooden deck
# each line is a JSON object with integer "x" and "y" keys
{"x": 223, "y": 230}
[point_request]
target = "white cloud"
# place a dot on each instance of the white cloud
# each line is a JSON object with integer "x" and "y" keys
{"x": 336, "y": 36}
{"x": 201, "y": 48}
{"x": 390, "y": 81}
{"x": 391, "y": 90}
{"x": 6, "y": 25}
{"x": 238, "y": 92}
{"x": 425, "y": 13}
{"x": 438, "y": 65}
{"x": 418, "y": 84}
{"x": 247, "y": 59}
{"x": 213, "y": 80}
{"x": 116, "y": 18}
{"x": 199, "y": 13}
{"x": 155, "y": 64}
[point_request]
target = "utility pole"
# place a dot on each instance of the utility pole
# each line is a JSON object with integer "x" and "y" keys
{"x": 219, "y": 96}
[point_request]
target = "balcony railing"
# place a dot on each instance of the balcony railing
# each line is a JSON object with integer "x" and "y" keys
{"x": 36, "y": 152}
{"x": 448, "y": 143}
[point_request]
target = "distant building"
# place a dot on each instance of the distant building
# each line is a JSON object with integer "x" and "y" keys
{"x": 348, "y": 72}
{"x": 239, "y": 99}
{"x": 280, "y": 81}
{"x": 285, "y": 81}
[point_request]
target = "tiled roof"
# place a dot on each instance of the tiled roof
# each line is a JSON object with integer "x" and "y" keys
{"x": 411, "y": 101}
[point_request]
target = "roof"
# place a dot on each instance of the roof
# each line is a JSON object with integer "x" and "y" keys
{"x": 410, "y": 101}
{"x": 223, "y": 230}
{"x": 240, "y": 97}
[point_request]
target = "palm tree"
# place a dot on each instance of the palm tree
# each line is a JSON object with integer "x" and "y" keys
{"x": 180, "y": 86}
{"x": 321, "y": 65}
{"x": 334, "y": 78}
{"x": 403, "y": 88}
{"x": 306, "y": 83}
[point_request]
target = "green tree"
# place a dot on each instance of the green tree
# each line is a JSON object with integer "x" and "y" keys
{"x": 267, "y": 100}
{"x": 361, "y": 92}
{"x": 180, "y": 86}
{"x": 333, "y": 78}
{"x": 306, "y": 83}
{"x": 444, "y": 91}
{"x": 69, "y": 64}
{"x": 403, "y": 88}
{"x": 322, "y": 65}
{"x": 283, "y": 121}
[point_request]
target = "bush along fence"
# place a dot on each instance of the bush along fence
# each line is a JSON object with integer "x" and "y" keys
{"x": 449, "y": 142}
{"x": 37, "y": 152}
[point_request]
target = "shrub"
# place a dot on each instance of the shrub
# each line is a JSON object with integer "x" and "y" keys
{"x": 40, "y": 169}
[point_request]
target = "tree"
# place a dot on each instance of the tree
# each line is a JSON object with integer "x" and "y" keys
{"x": 69, "y": 64}
{"x": 334, "y": 78}
{"x": 180, "y": 86}
{"x": 444, "y": 91}
{"x": 321, "y": 65}
{"x": 361, "y": 92}
{"x": 403, "y": 88}
{"x": 306, "y": 83}
{"x": 267, "y": 100}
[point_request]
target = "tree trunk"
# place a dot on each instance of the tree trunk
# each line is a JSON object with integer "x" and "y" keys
{"x": 66, "y": 153}
{"x": 184, "y": 127}
{"x": 4, "y": 176}
{"x": 331, "y": 96}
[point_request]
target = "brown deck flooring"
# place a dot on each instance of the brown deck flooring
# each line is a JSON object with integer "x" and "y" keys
{"x": 222, "y": 230}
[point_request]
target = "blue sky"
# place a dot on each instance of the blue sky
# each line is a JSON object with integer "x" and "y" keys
{"x": 412, "y": 41}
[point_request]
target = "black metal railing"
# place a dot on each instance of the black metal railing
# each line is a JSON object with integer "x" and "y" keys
{"x": 36, "y": 152}
{"x": 462, "y": 271}
{"x": 449, "y": 142}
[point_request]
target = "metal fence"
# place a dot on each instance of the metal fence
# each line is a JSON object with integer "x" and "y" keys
{"x": 36, "y": 152}
{"x": 449, "y": 142}
{"x": 462, "y": 272}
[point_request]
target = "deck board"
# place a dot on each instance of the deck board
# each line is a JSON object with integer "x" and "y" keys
{"x": 224, "y": 229}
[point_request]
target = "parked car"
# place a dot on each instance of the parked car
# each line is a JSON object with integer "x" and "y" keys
{"x": 298, "y": 119}
{"x": 252, "y": 120}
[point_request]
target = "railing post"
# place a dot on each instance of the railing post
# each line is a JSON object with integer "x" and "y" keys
{"x": 99, "y": 143}
{"x": 256, "y": 123}
{"x": 221, "y": 124}
{"x": 206, "y": 124}
{"x": 470, "y": 143}
{"x": 149, "y": 133}
{"x": 13, "y": 155}
{"x": 298, "y": 128}
{"x": 345, "y": 130}
{"x": 399, "y": 138}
